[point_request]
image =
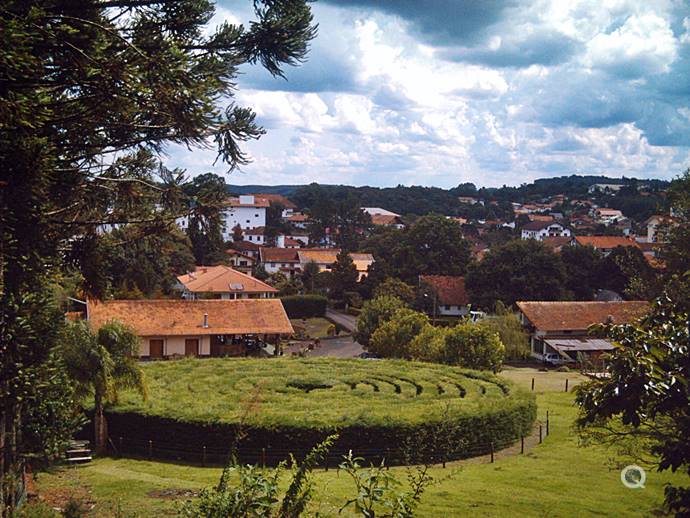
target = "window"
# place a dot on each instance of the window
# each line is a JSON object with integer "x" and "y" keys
{"x": 247, "y": 221}
{"x": 256, "y": 215}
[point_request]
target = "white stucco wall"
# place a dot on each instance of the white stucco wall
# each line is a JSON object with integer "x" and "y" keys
{"x": 175, "y": 345}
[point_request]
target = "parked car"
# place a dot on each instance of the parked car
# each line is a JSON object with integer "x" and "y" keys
{"x": 556, "y": 359}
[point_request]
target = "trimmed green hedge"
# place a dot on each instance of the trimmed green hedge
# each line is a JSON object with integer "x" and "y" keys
{"x": 304, "y": 306}
{"x": 405, "y": 412}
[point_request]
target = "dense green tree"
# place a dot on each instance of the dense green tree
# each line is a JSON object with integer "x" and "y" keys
{"x": 475, "y": 346}
{"x": 309, "y": 273}
{"x": 675, "y": 251}
{"x": 626, "y": 271}
{"x": 641, "y": 407}
{"x": 432, "y": 245}
{"x": 91, "y": 91}
{"x": 519, "y": 270}
{"x": 343, "y": 276}
{"x": 374, "y": 313}
{"x": 147, "y": 264}
{"x": 511, "y": 332}
{"x": 100, "y": 365}
{"x": 581, "y": 264}
{"x": 396, "y": 288}
{"x": 392, "y": 338}
{"x": 429, "y": 345}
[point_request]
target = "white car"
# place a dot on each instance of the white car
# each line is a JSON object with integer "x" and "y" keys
{"x": 556, "y": 359}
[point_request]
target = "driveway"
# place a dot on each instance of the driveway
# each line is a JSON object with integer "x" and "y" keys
{"x": 347, "y": 322}
{"x": 339, "y": 347}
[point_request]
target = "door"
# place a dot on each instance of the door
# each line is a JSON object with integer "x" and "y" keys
{"x": 156, "y": 348}
{"x": 191, "y": 347}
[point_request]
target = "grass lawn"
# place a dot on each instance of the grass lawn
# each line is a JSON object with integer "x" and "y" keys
{"x": 316, "y": 327}
{"x": 556, "y": 478}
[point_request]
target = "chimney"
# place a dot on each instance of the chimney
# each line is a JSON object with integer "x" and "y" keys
{"x": 205, "y": 321}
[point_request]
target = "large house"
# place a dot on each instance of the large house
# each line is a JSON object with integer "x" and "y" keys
{"x": 240, "y": 261}
{"x": 607, "y": 216}
{"x": 247, "y": 211}
{"x": 170, "y": 328}
{"x": 283, "y": 260}
{"x": 604, "y": 244}
{"x": 222, "y": 282}
{"x": 449, "y": 292}
{"x": 326, "y": 257}
{"x": 541, "y": 229}
{"x": 655, "y": 223}
{"x": 562, "y": 327}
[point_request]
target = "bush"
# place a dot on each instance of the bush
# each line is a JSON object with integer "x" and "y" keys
{"x": 392, "y": 338}
{"x": 475, "y": 346}
{"x": 563, "y": 368}
{"x": 374, "y": 313}
{"x": 304, "y": 306}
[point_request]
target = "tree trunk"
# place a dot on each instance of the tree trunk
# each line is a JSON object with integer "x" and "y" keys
{"x": 101, "y": 432}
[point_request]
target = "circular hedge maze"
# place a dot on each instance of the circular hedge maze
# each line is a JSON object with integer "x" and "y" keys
{"x": 405, "y": 412}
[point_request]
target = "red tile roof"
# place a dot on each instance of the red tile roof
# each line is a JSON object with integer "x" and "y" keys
{"x": 279, "y": 255}
{"x": 222, "y": 279}
{"x": 278, "y": 199}
{"x": 605, "y": 242}
{"x": 578, "y": 316}
{"x": 449, "y": 289}
{"x": 186, "y": 317}
{"x": 258, "y": 202}
{"x": 385, "y": 219}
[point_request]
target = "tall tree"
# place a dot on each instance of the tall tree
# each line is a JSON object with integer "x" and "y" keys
{"x": 581, "y": 263}
{"x": 642, "y": 406}
{"x": 101, "y": 364}
{"x": 343, "y": 276}
{"x": 87, "y": 82}
{"x": 518, "y": 270}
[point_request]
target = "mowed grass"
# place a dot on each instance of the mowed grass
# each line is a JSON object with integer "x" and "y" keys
{"x": 313, "y": 392}
{"x": 553, "y": 479}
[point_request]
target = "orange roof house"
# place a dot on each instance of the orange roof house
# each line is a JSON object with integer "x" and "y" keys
{"x": 222, "y": 282}
{"x": 386, "y": 220}
{"x": 278, "y": 199}
{"x": 561, "y": 328}
{"x": 451, "y": 297}
{"x": 192, "y": 327}
{"x": 604, "y": 244}
{"x": 572, "y": 316}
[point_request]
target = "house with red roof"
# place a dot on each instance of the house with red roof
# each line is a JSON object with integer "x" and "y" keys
{"x": 561, "y": 327}
{"x": 450, "y": 297}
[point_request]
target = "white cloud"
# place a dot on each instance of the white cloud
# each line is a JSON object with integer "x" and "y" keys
{"x": 643, "y": 45}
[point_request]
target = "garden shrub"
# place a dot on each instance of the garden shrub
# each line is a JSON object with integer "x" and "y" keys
{"x": 304, "y": 306}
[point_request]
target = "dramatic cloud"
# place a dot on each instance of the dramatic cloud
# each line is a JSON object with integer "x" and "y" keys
{"x": 443, "y": 92}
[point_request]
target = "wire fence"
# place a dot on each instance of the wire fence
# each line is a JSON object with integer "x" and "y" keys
{"x": 165, "y": 448}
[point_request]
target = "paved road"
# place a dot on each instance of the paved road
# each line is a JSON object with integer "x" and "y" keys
{"x": 344, "y": 320}
{"x": 340, "y": 347}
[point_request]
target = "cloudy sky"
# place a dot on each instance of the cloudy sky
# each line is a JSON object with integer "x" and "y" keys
{"x": 440, "y": 92}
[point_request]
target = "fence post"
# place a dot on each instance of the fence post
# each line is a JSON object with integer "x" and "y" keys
{"x": 120, "y": 444}
{"x": 203, "y": 456}
{"x": 263, "y": 457}
{"x": 540, "y": 439}
{"x": 532, "y": 384}
{"x": 566, "y": 384}
{"x": 492, "y": 452}
{"x": 150, "y": 449}
{"x": 522, "y": 444}
{"x": 547, "y": 422}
